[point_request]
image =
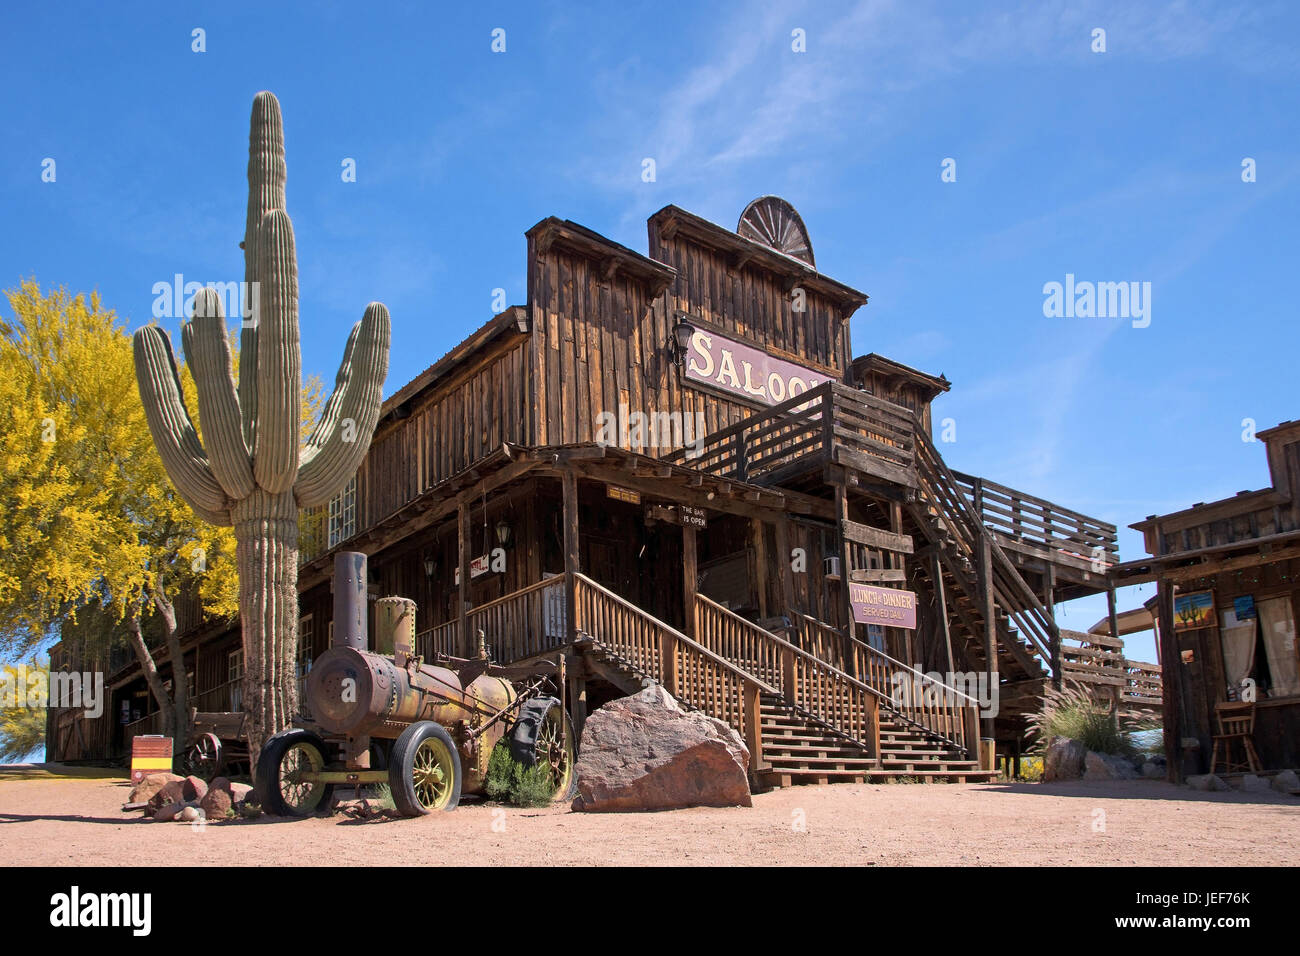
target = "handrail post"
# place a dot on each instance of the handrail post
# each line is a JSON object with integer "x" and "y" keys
{"x": 668, "y": 660}
{"x": 789, "y": 675}
{"x": 753, "y": 717}
{"x": 873, "y": 727}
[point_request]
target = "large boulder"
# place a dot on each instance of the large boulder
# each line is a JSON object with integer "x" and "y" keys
{"x": 645, "y": 752}
{"x": 1099, "y": 766}
{"x": 1064, "y": 759}
{"x": 1286, "y": 782}
{"x": 1207, "y": 782}
{"x": 180, "y": 790}
{"x": 223, "y": 795}
{"x": 145, "y": 790}
{"x": 1252, "y": 783}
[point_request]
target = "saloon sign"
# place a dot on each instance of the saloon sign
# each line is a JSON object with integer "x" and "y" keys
{"x": 888, "y": 607}
{"x": 746, "y": 371}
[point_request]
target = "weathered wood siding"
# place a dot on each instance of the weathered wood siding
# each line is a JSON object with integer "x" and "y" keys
{"x": 599, "y": 343}
{"x": 462, "y": 419}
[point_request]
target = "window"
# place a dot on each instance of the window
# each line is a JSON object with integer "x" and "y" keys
{"x": 343, "y": 514}
{"x": 234, "y": 678}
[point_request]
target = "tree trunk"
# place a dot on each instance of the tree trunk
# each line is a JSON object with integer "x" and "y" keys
{"x": 180, "y": 686}
{"x": 266, "y": 534}
{"x": 151, "y": 675}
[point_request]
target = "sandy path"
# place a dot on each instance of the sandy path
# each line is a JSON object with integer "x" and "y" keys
{"x": 51, "y": 822}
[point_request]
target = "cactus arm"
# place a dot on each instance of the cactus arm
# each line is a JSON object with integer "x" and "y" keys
{"x": 279, "y": 364}
{"x": 330, "y": 458}
{"x": 173, "y": 433}
{"x": 266, "y": 178}
{"x": 208, "y": 352}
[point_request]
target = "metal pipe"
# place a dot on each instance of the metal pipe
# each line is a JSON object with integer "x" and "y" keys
{"x": 350, "y": 618}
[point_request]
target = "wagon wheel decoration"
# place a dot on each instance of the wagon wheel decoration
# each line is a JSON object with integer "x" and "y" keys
{"x": 773, "y": 222}
{"x": 543, "y": 736}
{"x": 205, "y": 758}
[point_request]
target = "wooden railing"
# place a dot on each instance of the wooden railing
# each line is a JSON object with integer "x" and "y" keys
{"x": 1036, "y": 521}
{"x": 148, "y": 724}
{"x": 1098, "y": 660}
{"x": 521, "y": 624}
{"x": 217, "y": 699}
{"x": 442, "y": 640}
{"x": 696, "y": 676}
{"x": 831, "y": 422}
{"x": 912, "y": 696}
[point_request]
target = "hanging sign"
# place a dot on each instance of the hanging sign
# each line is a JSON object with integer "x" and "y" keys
{"x": 479, "y": 566}
{"x": 746, "y": 371}
{"x": 889, "y": 607}
{"x": 629, "y": 495}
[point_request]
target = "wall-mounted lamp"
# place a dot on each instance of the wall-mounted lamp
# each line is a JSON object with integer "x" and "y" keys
{"x": 430, "y": 567}
{"x": 682, "y": 334}
{"x": 504, "y": 533}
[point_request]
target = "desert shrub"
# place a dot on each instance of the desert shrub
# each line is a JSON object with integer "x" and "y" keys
{"x": 509, "y": 781}
{"x": 1072, "y": 712}
{"x": 380, "y": 795}
{"x": 1031, "y": 769}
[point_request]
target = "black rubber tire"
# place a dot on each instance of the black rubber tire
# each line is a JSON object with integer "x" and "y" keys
{"x": 401, "y": 782}
{"x": 268, "y": 772}
{"x": 523, "y": 741}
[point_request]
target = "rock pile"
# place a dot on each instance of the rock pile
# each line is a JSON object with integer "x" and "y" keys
{"x": 167, "y": 796}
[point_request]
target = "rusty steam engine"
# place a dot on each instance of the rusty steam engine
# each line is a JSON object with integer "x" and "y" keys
{"x": 426, "y": 729}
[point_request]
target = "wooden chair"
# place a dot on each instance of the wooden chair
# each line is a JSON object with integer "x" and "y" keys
{"x": 1236, "y": 722}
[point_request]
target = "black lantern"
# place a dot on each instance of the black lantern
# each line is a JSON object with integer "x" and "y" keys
{"x": 682, "y": 334}
{"x": 430, "y": 566}
{"x": 503, "y": 533}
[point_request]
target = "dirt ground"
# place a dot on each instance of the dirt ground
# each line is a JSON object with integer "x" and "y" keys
{"x": 53, "y": 820}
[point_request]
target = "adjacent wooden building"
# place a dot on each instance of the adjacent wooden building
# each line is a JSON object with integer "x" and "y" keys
{"x": 1226, "y": 607}
{"x": 672, "y": 467}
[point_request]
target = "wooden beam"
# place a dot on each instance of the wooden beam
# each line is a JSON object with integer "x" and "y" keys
{"x": 784, "y": 570}
{"x": 846, "y": 555}
{"x": 760, "y": 563}
{"x": 989, "y": 611}
{"x": 876, "y": 537}
{"x": 877, "y": 575}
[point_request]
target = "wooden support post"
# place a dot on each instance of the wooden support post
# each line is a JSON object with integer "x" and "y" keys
{"x": 846, "y": 555}
{"x": 572, "y": 564}
{"x": 873, "y": 727}
{"x": 690, "y": 576}
{"x": 936, "y": 569}
{"x": 989, "y": 610}
{"x": 1054, "y": 635}
{"x": 785, "y": 573}
{"x": 898, "y": 562}
{"x": 462, "y": 591}
{"x": 577, "y": 700}
{"x": 1171, "y": 678}
{"x": 760, "y": 563}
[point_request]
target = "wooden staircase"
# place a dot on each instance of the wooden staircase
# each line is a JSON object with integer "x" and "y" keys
{"x": 804, "y": 720}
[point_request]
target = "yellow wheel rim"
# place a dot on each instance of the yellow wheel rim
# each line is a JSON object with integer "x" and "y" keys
{"x": 301, "y": 796}
{"x": 433, "y": 774}
{"x": 553, "y": 750}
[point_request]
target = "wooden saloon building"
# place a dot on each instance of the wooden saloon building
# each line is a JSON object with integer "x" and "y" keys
{"x": 1226, "y": 606}
{"x": 672, "y": 467}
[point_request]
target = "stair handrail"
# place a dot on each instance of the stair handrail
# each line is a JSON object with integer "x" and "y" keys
{"x": 1035, "y": 612}
{"x": 751, "y": 687}
{"x": 877, "y": 652}
{"x": 790, "y": 685}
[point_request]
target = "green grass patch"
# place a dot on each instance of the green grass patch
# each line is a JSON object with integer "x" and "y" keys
{"x": 1072, "y": 712}
{"x": 509, "y": 781}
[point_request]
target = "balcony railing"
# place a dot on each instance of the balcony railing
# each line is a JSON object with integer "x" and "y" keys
{"x": 1029, "y": 520}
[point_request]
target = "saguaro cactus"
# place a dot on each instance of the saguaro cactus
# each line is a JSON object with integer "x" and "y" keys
{"x": 252, "y": 474}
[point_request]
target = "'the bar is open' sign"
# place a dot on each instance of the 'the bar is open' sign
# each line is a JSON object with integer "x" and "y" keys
{"x": 888, "y": 607}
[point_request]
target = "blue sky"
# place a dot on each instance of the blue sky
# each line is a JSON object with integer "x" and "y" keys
{"x": 1115, "y": 166}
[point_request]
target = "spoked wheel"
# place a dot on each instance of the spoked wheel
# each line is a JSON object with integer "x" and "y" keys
{"x": 205, "y": 758}
{"x": 280, "y": 783}
{"x": 543, "y": 735}
{"x": 424, "y": 771}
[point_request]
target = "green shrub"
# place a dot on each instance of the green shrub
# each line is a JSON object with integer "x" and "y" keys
{"x": 1072, "y": 712}
{"x": 509, "y": 781}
